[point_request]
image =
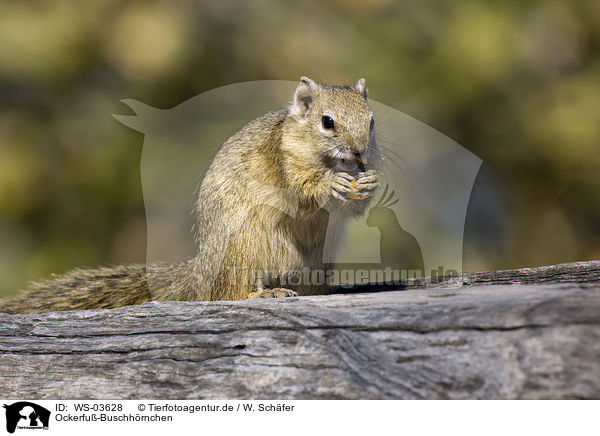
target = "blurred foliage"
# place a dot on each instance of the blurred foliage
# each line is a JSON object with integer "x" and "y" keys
{"x": 517, "y": 83}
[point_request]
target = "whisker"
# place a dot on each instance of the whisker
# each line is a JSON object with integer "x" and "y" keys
{"x": 386, "y": 142}
{"x": 398, "y": 160}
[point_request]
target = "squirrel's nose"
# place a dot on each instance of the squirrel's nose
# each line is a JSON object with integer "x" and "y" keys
{"x": 361, "y": 161}
{"x": 360, "y": 158}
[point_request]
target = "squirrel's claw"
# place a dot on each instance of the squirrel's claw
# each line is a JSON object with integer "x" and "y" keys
{"x": 273, "y": 293}
{"x": 342, "y": 185}
{"x": 370, "y": 176}
{"x": 360, "y": 188}
{"x": 367, "y": 182}
{"x": 338, "y": 196}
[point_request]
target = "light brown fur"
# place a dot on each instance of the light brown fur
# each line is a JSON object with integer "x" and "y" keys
{"x": 276, "y": 195}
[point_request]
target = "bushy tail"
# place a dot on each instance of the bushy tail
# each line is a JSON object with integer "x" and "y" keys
{"x": 80, "y": 289}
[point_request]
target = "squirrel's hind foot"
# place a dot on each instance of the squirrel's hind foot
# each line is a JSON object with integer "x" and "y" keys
{"x": 272, "y": 293}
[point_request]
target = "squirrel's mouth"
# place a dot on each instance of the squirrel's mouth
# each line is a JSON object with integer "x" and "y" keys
{"x": 346, "y": 164}
{"x": 349, "y": 162}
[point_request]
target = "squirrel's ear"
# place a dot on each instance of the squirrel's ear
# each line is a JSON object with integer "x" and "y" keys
{"x": 303, "y": 97}
{"x": 361, "y": 87}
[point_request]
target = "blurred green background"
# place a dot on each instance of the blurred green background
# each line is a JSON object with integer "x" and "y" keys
{"x": 517, "y": 83}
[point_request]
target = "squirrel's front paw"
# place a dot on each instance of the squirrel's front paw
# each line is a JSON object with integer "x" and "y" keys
{"x": 342, "y": 185}
{"x": 272, "y": 293}
{"x": 345, "y": 187}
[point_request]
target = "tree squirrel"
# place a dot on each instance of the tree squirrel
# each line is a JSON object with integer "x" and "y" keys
{"x": 277, "y": 194}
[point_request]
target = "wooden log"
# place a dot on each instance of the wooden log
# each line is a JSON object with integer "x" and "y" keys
{"x": 576, "y": 272}
{"x": 527, "y": 340}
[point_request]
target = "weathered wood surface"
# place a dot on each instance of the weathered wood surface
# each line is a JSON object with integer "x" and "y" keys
{"x": 505, "y": 341}
{"x": 576, "y": 272}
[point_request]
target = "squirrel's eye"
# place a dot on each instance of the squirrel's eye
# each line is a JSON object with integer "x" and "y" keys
{"x": 327, "y": 122}
{"x": 372, "y": 124}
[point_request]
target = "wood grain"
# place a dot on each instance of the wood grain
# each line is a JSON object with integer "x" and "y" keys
{"x": 535, "y": 335}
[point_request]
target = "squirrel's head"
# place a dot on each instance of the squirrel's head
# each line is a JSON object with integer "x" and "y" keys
{"x": 338, "y": 120}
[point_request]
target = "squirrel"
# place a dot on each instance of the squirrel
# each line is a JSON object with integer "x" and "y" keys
{"x": 275, "y": 199}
